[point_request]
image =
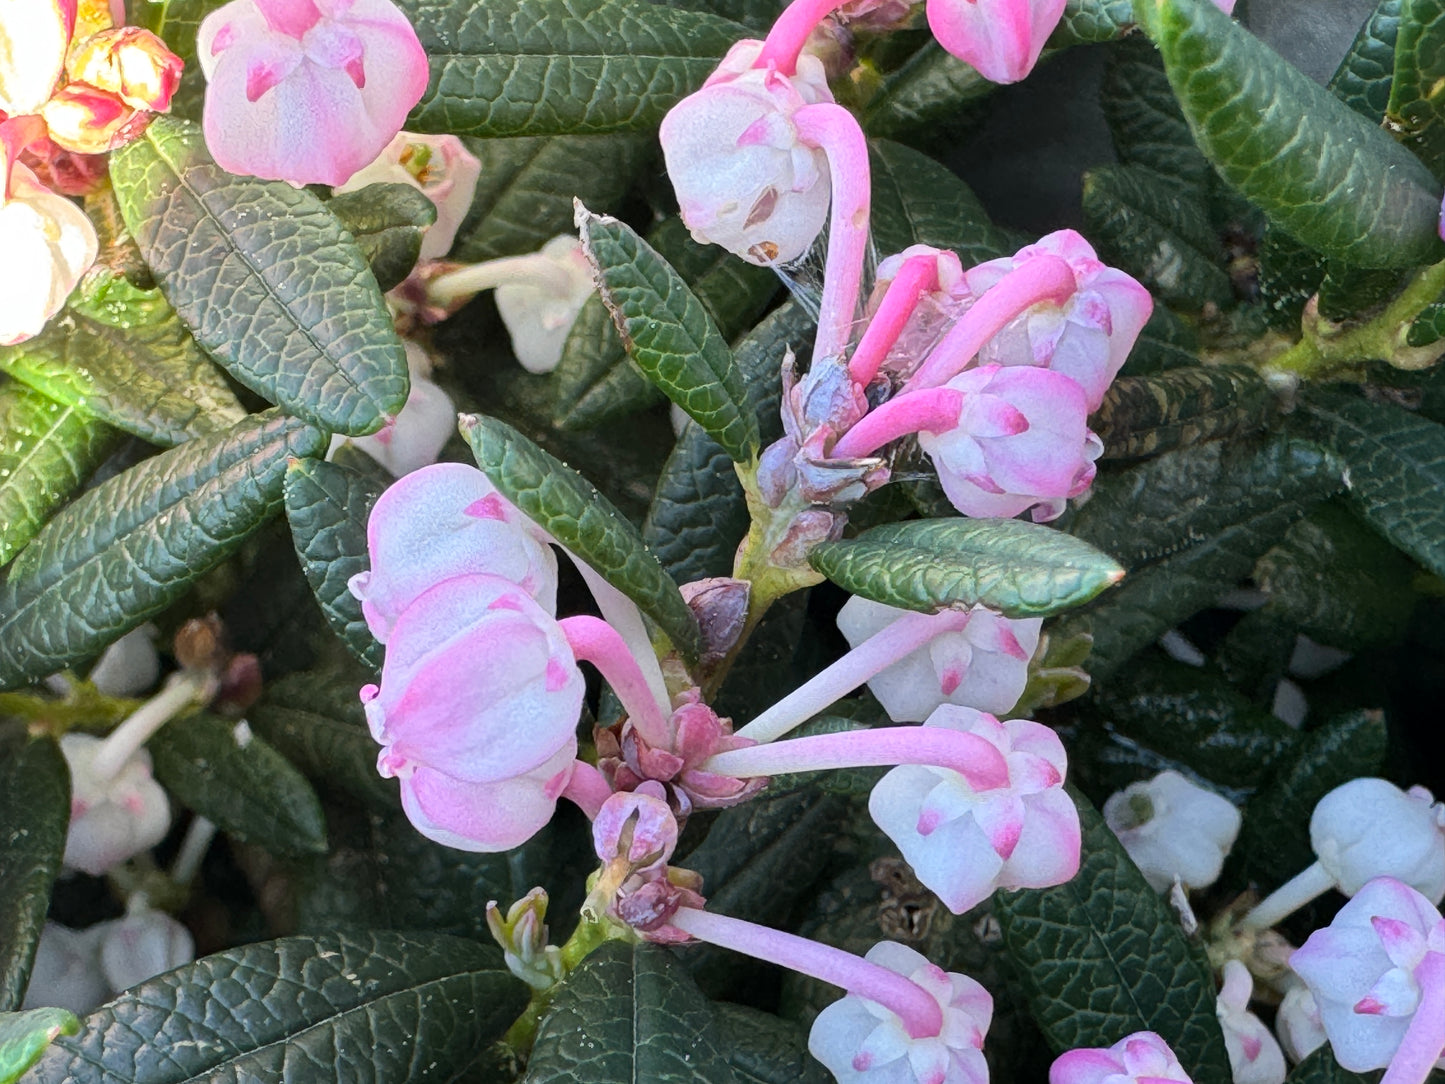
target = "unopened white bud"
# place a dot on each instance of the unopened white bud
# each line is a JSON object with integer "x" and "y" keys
{"x": 1173, "y": 828}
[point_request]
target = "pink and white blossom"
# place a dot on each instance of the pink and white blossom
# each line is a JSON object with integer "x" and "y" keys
{"x": 1254, "y": 1055}
{"x": 115, "y": 812}
{"x": 1140, "y": 1058}
{"x": 1173, "y": 828}
{"x": 131, "y": 63}
{"x": 34, "y": 37}
{"x": 440, "y": 167}
{"x": 1002, "y": 39}
{"x": 1297, "y": 1023}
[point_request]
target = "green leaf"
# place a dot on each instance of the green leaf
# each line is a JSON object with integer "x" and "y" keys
{"x": 918, "y": 201}
{"x": 669, "y": 333}
{"x": 369, "y": 1008}
{"x": 34, "y": 818}
{"x": 1102, "y": 956}
{"x": 328, "y": 506}
{"x": 1165, "y": 343}
{"x": 1092, "y": 21}
{"x": 764, "y": 1049}
{"x": 1289, "y": 274}
{"x": 228, "y": 775}
{"x": 127, "y": 549}
{"x": 560, "y": 67}
{"x": 1321, "y": 1068}
{"x": 1364, "y": 77}
{"x": 1396, "y": 465}
{"x": 1145, "y": 415}
{"x": 46, "y": 452}
{"x": 929, "y": 89}
{"x": 266, "y": 278}
{"x": 1144, "y": 117}
{"x": 1020, "y": 569}
{"x": 570, "y": 509}
{"x": 1416, "y": 113}
{"x": 121, "y": 355}
{"x": 25, "y": 1035}
{"x": 1315, "y": 167}
{"x": 524, "y": 197}
{"x": 1158, "y": 230}
{"x": 629, "y": 1014}
{"x": 388, "y": 222}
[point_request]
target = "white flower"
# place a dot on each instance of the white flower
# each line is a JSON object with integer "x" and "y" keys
{"x": 66, "y": 973}
{"x": 1171, "y": 827}
{"x": 441, "y": 167}
{"x": 1370, "y": 828}
{"x": 34, "y": 35}
{"x": 48, "y": 244}
{"x": 129, "y": 666}
{"x": 1298, "y": 1024}
{"x": 142, "y": 945}
{"x": 539, "y": 310}
{"x": 112, "y": 818}
{"x": 1254, "y": 1056}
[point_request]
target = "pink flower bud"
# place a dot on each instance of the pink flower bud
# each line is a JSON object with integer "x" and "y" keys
{"x": 1370, "y": 828}
{"x": 132, "y": 64}
{"x": 637, "y": 827}
{"x": 1001, "y": 38}
{"x": 416, "y": 436}
{"x": 1297, "y": 1023}
{"x": 1254, "y": 1056}
{"x": 441, "y": 167}
{"x": 744, "y": 179}
{"x": 1173, "y": 828}
{"x": 86, "y": 120}
{"x": 141, "y": 946}
{"x": 48, "y": 243}
{"x": 443, "y": 521}
{"x": 862, "y": 1042}
{"x": 983, "y": 665}
{"x": 307, "y": 91}
{"x": 963, "y": 843}
{"x": 1135, "y": 1059}
{"x": 34, "y": 35}
{"x": 942, "y": 298}
{"x": 115, "y": 817}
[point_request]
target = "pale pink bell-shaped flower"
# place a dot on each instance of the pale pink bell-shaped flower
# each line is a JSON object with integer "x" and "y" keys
{"x": 964, "y": 843}
{"x": 1141, "y": 1058}
{"x": 415, "y": 437}
{"x": 142, "y": 945}
{"x": 443, "y": 521}
{"x": 307, "y": 91}
{"x": 744, "y": 179}
{"x": 539, "y": 310}
{"x": 862, "y": 1042}
{"x": 1254, "y": 1055}
{"x": 112, "y": 817}
{"x": 129, "y": 666}
{"x": 1002, "y": 39}
{"x": 477, "y": 712}
{"x": 1297, "y": 1023}
{"x": 983, "y": 665}
{"x": 1172, "y": 828}
{"x": 1370, "y": 828}
{"x": 34, "y": 37}
{"x": 48, "y": 242}
{"x": 1373, "y": 972}
{"x": 66, "y": 973}
{"x": 441, "y": 167}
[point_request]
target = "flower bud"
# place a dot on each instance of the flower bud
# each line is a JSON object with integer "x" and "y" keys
{"x": 114, "y": 818}
{"x": 637, "y": 827}
{"x": 48, "y": 243}
{"x": 523, "y": 937}
{"x": 1370, "y": 828}
{"x": 539, "y": 313}
{"x": 1298, "y": 1024}
{"x": 129, "y": 666}
{"x": 66, "y": 973}
{"x": 132, "y": 64}
{"x": 34, "y": 35}
{"x": 1001, "y": 38}
{"x": 141, "y": 946}
{"x": 441, "y": 167}
{"x": 1134, "y": 1059}
{"x": 1254, "y": 1056}
{"x": 86, "y": 120}
{"x": 1172, "y": 828}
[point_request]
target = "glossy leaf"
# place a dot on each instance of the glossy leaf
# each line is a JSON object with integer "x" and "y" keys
{"x": 1364, "y": 78}
{"x": 1020, "y": 569}
{"x": 1144, "y": 117}
{"x": 1165, "y": 343}
{"x": 1103, "y": 956}
{"x": 127, "y": 549}
{"x": 918, "y": 201}
{"x": 266, "y": 278}
{"x": 569, "y": 508}
{"x": 1093, "y": 21}
{"x": 369, "y": 1008}
{"x": 238, "y": 781}
{"x": 388, "y": 222}
{"x": 764, "y": 1049}
{"x": 669, "y": 334}
{"x": 1416, "y": 112}
{"x": 46, "y": 452}
{"x": 25, "y": 1035}
{"x": 554, "y": 67}
{"x": 1319, "y": 170}
{"x": 1321, "y": 1068}
{"x": 328, "y": 506}
{"x": 925, "y": 91}
{"x": 34, "y": 818}
{"x": 1145, "y": 415}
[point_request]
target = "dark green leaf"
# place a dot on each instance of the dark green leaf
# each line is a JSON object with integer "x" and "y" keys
{"x": 25, "y": 1035}
{"x": 1289, "y": 273}
{"x": 918, "y": 201}
{"x": 388, "y": 222}
{"x": 122, "y": 355}
{"x": 1317, "y": 168}
{"x": 1321, "y": 1068}
{"x": 1144, "y": 117}
{"x": 46, "y": 452}
{"x": 370, "y": 1008}
{"x": 560, "y": 67}
{"x": 1416, "y": 113}
{"x": 228, "y": 775}
{"x": 1020, "y": 569}
{"x": 569, "y": 508}
{"x": 328, "y": 506}
{"x": 1346, "y": 292}
{"x": 34, "y": 818}
{"x": 926, "y": 91}
{"x": 1166, "y": 342}
{"x": 1089, "y": 21}
{"x": 1145, "y": 415}
{"x": 629, "y": 1014}
{"x": 1103, "y": 956}
{"x": 669, "y": 333}
{"x": 1363, "y": 78}
{"x": 128, "y": 548}
{"x": 1158, "y": 230}
{"x": 764, "y": 1049}
{"x": 266, "y": 278}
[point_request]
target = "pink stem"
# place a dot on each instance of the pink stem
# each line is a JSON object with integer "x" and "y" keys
{"x": 833, "y": 128}
{"x": 594, "y": 640}
{"x": 932, "y": 410}
{"x": 1424, "y": 1040}
{"x": 877, "y": 653}
{"x": 790, "y": 32}
{"x": 1042, "y": 278}
{"x": 587, "y": 789}
{"x": 978, "y": 761}
{"x": 915, "y": 1006}
{"x": 917, "y": 276}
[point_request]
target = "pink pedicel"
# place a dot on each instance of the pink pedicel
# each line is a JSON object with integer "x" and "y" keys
{"x": 1141, "y": 1058}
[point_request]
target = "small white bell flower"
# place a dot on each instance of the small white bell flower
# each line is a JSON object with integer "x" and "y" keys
{"x": 1171, "y": 827}
{"x": 114, "y": 814}
{"x": 129, "y": 666}
{"x": 1297, "y": 1023}
{"x": 1254, "y": 1055}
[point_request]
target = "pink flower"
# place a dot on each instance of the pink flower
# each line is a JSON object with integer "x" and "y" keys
{"x": 1141, "y": 1058}
{"x": 113, "y": 816}
{"x": 1001, "y": 38}
{"x": 441, "y": 167}
{"x": 1254, "y": 1055}
{"x": 307, "y": 91}
{"x": 416, "y": 436}
{"x": 476, "y": 712}
{"x": 132, "y": 64}
{"x": 34, "y": 36}
{"x": 963, "y": 843}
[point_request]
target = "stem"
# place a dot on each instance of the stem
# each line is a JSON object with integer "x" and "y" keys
{"x": 594, "y": 640}
{"x": 1042, "y": 278}
{"x": 1424, "y": 1040}
{"x": 873, "y": 655}
{"x": 933, "y": 410}
{"x": 786, "y": 39}
{"x": 833, "y": 128}
{"x": 533, "y": 269}
{"x": 1289, "y": 897}
{"x": 199, "y": 834}
{"x": 916, "y": 1007}
{"x": 978, "y": 761}
{"x": 622, "y": 614}
{"x": 917, "y": 276}
{"x": 179, "y": 692}
{"x": 587, "y": 789}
